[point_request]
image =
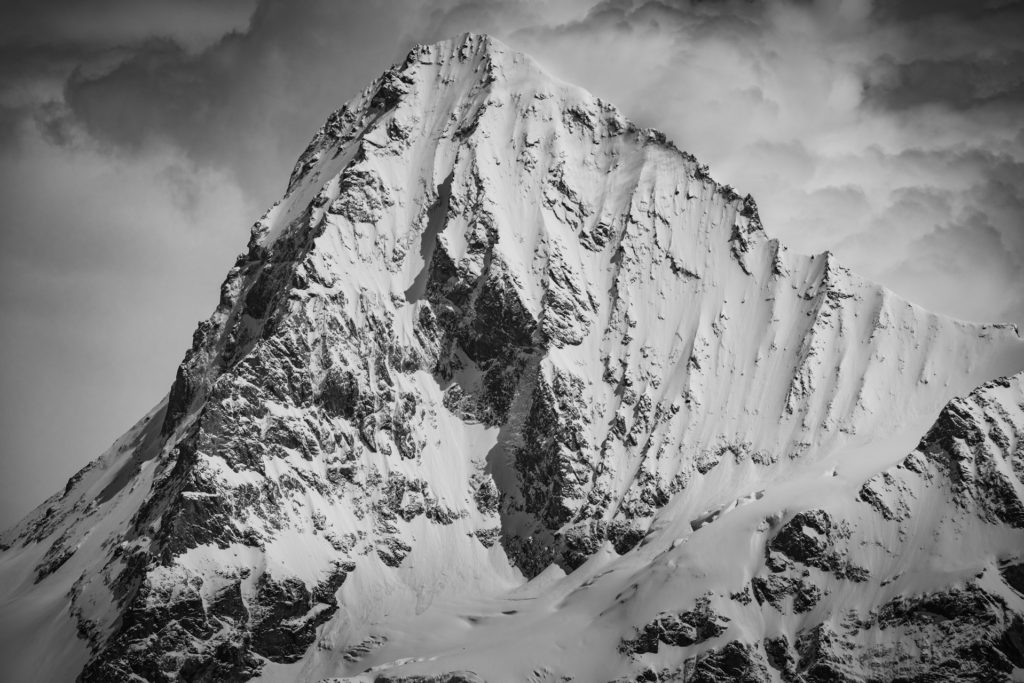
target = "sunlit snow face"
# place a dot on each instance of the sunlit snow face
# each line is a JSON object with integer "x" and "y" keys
{"x": 890, "y": 136}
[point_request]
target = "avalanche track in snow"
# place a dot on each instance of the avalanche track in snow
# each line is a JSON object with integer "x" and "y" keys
{"x": 506, "y": 388}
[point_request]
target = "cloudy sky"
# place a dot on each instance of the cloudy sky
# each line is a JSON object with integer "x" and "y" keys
{"x": 139, "y": 140}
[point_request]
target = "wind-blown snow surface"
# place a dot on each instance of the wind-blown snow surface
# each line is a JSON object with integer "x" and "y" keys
{"x": 506, "y": 385}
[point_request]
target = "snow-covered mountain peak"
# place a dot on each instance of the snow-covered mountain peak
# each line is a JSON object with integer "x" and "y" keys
{"x": 494, "y": 332}
{"x": 472, "y": 89}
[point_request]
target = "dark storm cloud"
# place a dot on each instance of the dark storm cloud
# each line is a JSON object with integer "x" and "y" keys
{"x": 138, "y": 139}
{"x": 100, "y": 23}
{"x": 986, "y": 12}
{"x": 41, "y": 43}
{"x": 93, "y": 238}
{"x": 963, "y": 85}
{"x": 966, "y": 55}
{"x": 251, "y": 100}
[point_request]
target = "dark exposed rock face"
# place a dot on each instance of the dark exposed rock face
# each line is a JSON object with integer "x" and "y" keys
{"x": 810, "y": 538}
{"x": 286, "y": 614}
{"x": 775, "y": 588}
{"x": 453, "y": 677}
{"x": 974, "y": 455}
{"x": 1013, "y": 575}
{"x": 963, "y": 634}
{"x": 680, "y": 629}
{"x": 481, "y": 315}
{"x": 973, "y": 450}
{"x": 780, "y": 655}
{"x": 734, "y": 661}
{"x": 218, "y": 641}
{"x": 552, "y": 457}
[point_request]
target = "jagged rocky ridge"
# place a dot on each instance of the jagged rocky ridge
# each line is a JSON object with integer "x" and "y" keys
{"x": 495, "y": 332}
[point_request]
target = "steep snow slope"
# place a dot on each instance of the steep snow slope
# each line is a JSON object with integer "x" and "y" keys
{"x": 916, "y": 573}
{"x": 494, "y": 332}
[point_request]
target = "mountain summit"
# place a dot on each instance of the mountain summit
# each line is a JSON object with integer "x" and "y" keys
{"x": 506, "y": 388}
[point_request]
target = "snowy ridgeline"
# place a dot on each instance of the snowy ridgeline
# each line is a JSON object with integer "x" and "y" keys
{"x": 509, "y": 387}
